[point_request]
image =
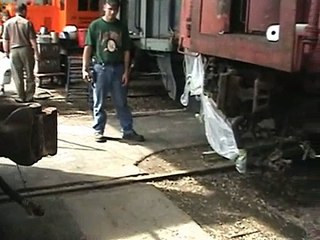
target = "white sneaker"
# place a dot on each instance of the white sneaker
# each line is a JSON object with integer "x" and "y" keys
{"x": 99, "y": 137}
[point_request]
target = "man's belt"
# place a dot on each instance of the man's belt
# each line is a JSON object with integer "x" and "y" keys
{"x": 110, "y": 63}
{"x": 16, "y": 47}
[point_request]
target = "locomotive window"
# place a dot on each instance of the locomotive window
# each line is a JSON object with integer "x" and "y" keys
{"x": 88, "y": 5}
{"x": 47, "y": 2}
{"x": 38, "y": 2}
{"x": 94, "y": 5}
{"x": 61, "y": 5}
{"x": 83, "y": 5}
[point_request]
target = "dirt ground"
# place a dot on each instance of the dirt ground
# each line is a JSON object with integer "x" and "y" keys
{"x": 140, "y": 99}
{"x": 226, "y": 205}
{"x": 234, "y": 206}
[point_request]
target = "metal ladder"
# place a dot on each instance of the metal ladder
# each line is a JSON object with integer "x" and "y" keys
{"x": 75, "y": 86}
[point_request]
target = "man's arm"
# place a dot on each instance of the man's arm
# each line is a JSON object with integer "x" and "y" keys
{"x": 86, "y": 57}
{"x": 6, "y": 47}
{"x": 127, "y": 61}
{"x": 87, "y": 52}
{"x": 125, "y": 76}
{"x": 126, "y": 42}
{"x": 35, "y": 48}
{"x": 6, "y": 42}
{"x": 33, "y": 40}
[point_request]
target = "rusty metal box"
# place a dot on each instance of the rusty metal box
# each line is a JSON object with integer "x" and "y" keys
{"x": 48, "y": 66}
{"x": 49, "y": 50}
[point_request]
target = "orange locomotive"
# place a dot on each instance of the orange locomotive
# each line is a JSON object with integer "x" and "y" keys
{"x": 56, "y": 14}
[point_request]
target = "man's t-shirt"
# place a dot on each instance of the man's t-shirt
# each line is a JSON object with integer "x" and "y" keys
{"x": 109, "y": 40}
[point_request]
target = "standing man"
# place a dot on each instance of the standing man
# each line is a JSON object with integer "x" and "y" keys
{"x": 108, "y": 42}
{"x": 19, "y": 42}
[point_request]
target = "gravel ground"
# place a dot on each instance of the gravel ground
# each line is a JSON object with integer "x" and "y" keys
{"x": 226, "y": 205}
{"x": 234, "y": 206}
{"x": 148, "y": 98}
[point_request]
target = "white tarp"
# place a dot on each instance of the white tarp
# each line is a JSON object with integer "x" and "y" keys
{"x": 194, "y": 78}
{"x": 5, "y": 70}
{"x": 218, "y": 129}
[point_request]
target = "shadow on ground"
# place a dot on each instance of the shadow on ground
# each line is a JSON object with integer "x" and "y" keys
{"x": 285, "y": 203}
{"x": 128, "y": 212}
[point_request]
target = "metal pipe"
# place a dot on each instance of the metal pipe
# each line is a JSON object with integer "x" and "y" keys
{"x": 319, "y": 22}
{"x": 314, "y": 13}
{"x": 312, "y": 30}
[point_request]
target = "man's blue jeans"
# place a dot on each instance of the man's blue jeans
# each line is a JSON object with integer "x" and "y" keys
{"x": 108, "y": 79}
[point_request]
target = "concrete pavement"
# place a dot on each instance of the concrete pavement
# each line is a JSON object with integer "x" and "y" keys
{"x": 130, "y": 212}
{"x": 80, "y": 158}
{"x": 136, "y": 212}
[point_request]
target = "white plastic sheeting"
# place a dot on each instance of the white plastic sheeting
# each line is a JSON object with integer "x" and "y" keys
{"x": 5, "y": 70}
{"x": 194, "y": 72}
{"x": 164, "y": 63}
{"x": 218, "y": 129}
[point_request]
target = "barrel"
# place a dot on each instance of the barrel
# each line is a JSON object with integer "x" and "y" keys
{"x": 82, "y": 32}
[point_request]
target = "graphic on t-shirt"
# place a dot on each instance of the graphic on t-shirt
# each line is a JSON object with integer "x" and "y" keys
{"x": 111, "y": 41}
{"x": 111, "y": 46}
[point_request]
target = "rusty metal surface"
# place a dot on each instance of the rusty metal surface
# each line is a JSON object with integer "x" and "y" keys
{"x": 287, "y": 54}
{"x": 312, "y": 62}
{"x": 312, "y": 29}
{"x": 248, "y": 48}
{"x": 262, "y": 14}
{"x": 311, "y": 40}
{"x": 215, "y": 16}
{"x": 185, "y": 23}
{"x": 27, "y": 132}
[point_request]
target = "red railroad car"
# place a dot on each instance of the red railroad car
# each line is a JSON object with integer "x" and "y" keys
{"x": 261, "y": 66}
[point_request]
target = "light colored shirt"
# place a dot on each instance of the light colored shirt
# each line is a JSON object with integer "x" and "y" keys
{"x": 18, "y": 31}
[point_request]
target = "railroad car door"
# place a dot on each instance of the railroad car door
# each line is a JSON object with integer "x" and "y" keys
{"x": 215, "y": 16}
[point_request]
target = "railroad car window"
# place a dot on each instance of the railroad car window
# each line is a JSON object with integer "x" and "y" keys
{"x": 83, "y": 5}
{"x": 88, "y": 5}
{"x": 61, "y": 5}
{"x": 47, "y": 2}
{"x": 94, "y": 5}
{"x": 238, "y": 16}
{"x": 37, "y": 2}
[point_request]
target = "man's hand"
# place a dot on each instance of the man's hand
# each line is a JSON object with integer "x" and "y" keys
{"x": 125, "y": 78}
{"x": 86, "y": 75}
{"x": 37, "y": 56}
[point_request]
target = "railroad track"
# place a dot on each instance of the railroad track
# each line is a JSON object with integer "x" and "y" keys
{"x": 117, "y": 182}
{"x": 261, "y": 204}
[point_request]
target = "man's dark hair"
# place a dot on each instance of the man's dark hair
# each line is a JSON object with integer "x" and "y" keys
{"x": 21, "y": 8}
{"x": 113, "y": 2}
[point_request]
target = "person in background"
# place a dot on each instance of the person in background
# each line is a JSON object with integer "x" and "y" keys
{"x": 4, "y": 17}
{"x": 108, "y": 42}
{"x": 19, "y": 42}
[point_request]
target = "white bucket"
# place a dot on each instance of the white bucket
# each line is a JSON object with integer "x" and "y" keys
{"x": 72, "y": 31}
